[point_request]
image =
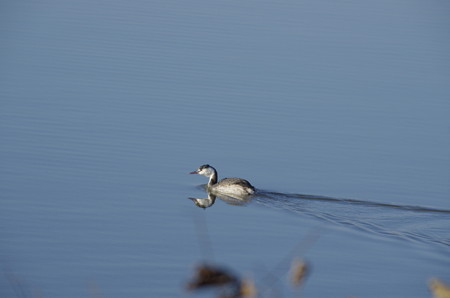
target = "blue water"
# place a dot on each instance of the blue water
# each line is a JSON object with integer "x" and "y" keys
{"x": 336, "y": 112}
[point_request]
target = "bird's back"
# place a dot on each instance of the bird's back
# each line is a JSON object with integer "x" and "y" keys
{"x": 235, "y": 184}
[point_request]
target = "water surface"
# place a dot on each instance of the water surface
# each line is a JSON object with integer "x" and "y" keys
{"x": 337, "y": 112}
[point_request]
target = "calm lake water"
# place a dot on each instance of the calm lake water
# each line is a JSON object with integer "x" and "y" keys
{"x": 338, "y": 112}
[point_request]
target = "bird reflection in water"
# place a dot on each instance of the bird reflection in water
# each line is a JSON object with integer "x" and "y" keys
{"x": 204, "y": 202}
{"x": 211, "y": 199}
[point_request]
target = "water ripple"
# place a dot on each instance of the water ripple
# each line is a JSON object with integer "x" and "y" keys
{"x": 410, "y": 223}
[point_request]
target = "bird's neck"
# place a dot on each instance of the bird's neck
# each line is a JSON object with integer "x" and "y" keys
{"x": 212, "y": 178}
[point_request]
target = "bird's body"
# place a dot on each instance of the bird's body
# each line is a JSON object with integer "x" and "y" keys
{"x": 230, "y": 186}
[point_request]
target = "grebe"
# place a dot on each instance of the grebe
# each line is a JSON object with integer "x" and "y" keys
{"x": 231, "y": 186}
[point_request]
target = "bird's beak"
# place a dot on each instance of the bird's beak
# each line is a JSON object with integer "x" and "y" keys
{"x": 194, "y": 172}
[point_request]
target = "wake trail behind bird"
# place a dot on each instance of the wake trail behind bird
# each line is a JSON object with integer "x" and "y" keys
{"x": 410, "y": 223}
